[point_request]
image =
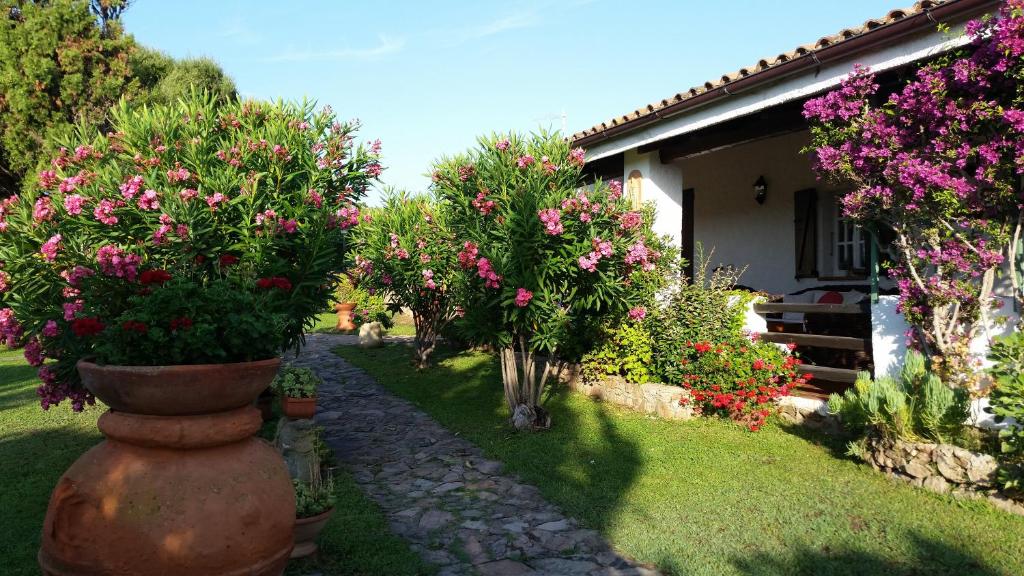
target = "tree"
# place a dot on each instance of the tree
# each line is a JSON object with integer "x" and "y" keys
{"x": 939, "y": 164}
{"x": 407, "y": 253}
{"x": 541, "y": 254}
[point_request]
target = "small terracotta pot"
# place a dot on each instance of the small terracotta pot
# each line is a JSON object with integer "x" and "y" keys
{"x": 180, "y": 485}
{"x": 307, "y": 530}
{"x": 344, "y": 311}
{"x": 298, "y": 408}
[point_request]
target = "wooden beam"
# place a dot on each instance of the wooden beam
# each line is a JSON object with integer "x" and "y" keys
{"x": 776, "y": 307}
{"x": 817, "y": 340}
{"x": 831, "y": 374}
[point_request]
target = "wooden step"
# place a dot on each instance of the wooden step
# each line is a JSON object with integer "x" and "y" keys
{"x": 776, "y": 307}
{"x": 817, "y": 340}
{"x": 831, "y": 374}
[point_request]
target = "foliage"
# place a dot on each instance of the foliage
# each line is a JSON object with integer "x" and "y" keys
{"x": 740, "y": 380}
{"x": 705, "y": 308}
{"x": 257, "y": 195}
{"x": 625, "y": 351}
{"x": 371, "y": 307}
{"x": 915, "y": 404}
{"x": 540, "y": 255}
{"x": 408, "y": 254}
{"x": 184, "y": 76}
{"x": 296, "y": 382}
{"x": 938, "y": 163}
{"x": 1007, "y": 403}
{"x": 639, "y": 481}
{"x": 313, "y": 498}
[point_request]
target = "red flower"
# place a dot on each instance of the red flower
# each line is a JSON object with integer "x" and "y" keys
{"x": 228, "y": 260}
{"x": 182, "y": 323}
{"x": 134, "y": 326}
{"x": 278, "y": 282}
{"x": 759, "y": 364}
{"x": 89, "y": 326}
{"x": 154, "y": 277}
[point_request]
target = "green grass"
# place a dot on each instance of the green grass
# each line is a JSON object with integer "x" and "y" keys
{"x": 326, "y": 322}
{"x": 36, "y": 447}
{"x": 706, "y": 496}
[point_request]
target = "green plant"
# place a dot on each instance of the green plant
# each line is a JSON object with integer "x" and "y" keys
{"x": 916, "y": 404}
{"x": 626, "y": 351}
{"x": 371, "y": 307}
{"x": 250, "y": 196}
{"x": 314, "y": 497}
{"x": 1007, "y": 403}
{"x": 296, "y": 382}
{"x": 344, "y": 289}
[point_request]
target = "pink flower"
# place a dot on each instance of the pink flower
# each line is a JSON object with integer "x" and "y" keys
{"x": 315, "y": 198}
{"x": 614, "y": 189}
{"x": 266, "y": 215}
{"x": 178, "y": 174}
{"x": 131, "y": 187}
{"x": 630, "y": 220}
{"x": 523, "y": 297}
{"x": 525, "y": 161}
{"x": 482, "y": 204}
{"x": 215, "y": 199}
{"x": 347, "y": 217}
{"x": 70, "y": 183}
{"x": 34, "y": 352}
{"x": 50, "y": 329}
{"x": 115, "y": 262}
{"x": 71, "y": 309}
{"x": 4, "y": 281}
{"x": 577, "y": 156}
{"x": 428, "y": 279}
{"x": 551, "y": 218}
{"x": 585, "y": 217}
{"x": 76, "y": 274}
{"x": 182, "y": 231}
{"x": 602, "y": 247}
{"x": 149, "y": 201}
{"x": 289, "y": 226}
{"x": 374, "y": 169}
{"x": 386, "y": 279}
{"x": 73, "y": 204}
{"x": 50, "y": 247}
{"x": 589, "y": 262}
{"x": 43, "y": 209}
{"x": 467, "y": 256}
{"x": 104, "y": 212}
{"x": 637, "y": 313}
{"x": 503, "y": 144}
{"x": 188, "y": 194}
{"x": 486, "y": 271}
{"x": 48, "y": 179}
{"x": 424, "y": 257}
{"x": 159, "y": 235}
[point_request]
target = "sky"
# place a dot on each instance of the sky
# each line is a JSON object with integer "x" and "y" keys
{"x": 428, "y": 77}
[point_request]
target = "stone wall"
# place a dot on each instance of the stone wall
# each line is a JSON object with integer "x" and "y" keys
{"x": 657, "y": 399}
{"x": 940, "y": 468}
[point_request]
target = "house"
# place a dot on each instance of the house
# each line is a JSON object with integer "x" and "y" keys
{"x": 723, "y": 164}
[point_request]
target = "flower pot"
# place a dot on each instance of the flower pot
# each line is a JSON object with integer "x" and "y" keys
{"x": 344, "y": 311}
{"x": 307, "y": 530}
{"x": 298, "y": 408}
{"x": 180, "y": 485}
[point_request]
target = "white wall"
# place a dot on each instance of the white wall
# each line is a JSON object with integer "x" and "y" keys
{"x": 662, "y": 185}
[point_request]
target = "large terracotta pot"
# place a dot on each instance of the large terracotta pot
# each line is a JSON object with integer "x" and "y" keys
{"x": 344, "y": 311}
{"x": 180, "y": 485}
{"x": 307, "y": 530}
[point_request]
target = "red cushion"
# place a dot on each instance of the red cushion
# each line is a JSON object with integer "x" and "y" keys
{"x": 831, "y": 297}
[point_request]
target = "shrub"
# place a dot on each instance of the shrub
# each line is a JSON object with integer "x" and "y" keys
{"x": 407, "y": 253}
{"x": 296, "y": 382}
{"x": 1007, "y": 403}
{"x": 252, "y": 197}
{"x": 916, "y": 404}
{"x": 371, "y": 307}
{"x": 739, "y": 380}
{"x": 541, "y": 255}
{"x": 313, "y": 498}
{"x": 626, "y": 351}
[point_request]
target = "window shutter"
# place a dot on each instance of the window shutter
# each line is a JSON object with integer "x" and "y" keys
{"x": 805, "y": 224}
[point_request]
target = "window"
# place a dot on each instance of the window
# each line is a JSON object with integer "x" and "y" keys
{"x": 633, "y": 189}
{"x": 850, "y": 246}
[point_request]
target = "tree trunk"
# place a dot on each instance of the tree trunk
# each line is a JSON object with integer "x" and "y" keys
{"x": 426, "y": 338}
{"x": 523, "y": 387}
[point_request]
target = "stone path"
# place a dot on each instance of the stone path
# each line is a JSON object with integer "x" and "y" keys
{"x": 456, "y": 508}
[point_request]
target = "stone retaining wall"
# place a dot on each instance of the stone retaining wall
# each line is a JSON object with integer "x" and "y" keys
{"x": 656, "y": 399}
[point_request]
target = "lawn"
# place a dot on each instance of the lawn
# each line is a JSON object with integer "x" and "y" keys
{"x": 706, "y": 496}
{"x": 36, "y": 447}
{"x": 326, "y": 322}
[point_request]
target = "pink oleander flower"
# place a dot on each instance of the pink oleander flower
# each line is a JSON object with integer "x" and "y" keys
{"x": 525, "y": 160}
{"x": 602, "y": 247}
{"x": 70, "y": 184}
{"x": 71, "y": 309}
{"x": 160, "y": 234}
{"x": 74, "y": 275}
{"x": 585, "y": 217}
{"x": 551, "y": 218}
{"x": 34, "y": 352}
{"x": 216, "y": 199}
{"x": 614, "y": 189}
{"x": 182, "y": 231}
{"x": 523, "y": 297}
{"x": 373, "y": 170}
{"x": 386, "y": 279}
{"x": 265, "y": 216}
{"x": 630, "y": 220}
{"x": 115, "y": 262}
{"x": 503, "y": 144}
{"x": 315, "y": 198}
{"x": 467, "y": 256}
{"x": 486, "y": 271}
{"x": 50, "y": 329}
{"x": 43, "y": 209}
{"x": 131, "y": 187}
{"x": 589, "y": 262}
{"x": 402, "y": 254}
{"x": 290, "y": 225}
{"x": 347, "y": 217}
{"x": 149, "y": 201}
{"x": 50, "y": 247}
{"x": 188, "y": 194}
{"x": 482, "y": 204}
{"x": 73, "y": 204}
{"x": 428, "y": 279}
{"x": 424, "y": 257}
{"x": 637, "y": 313}
{"x": 48, "y": 179}
{"x": 104, "y": 212}
{"x": 577, "y": 156}
{"x": 4, "y": 281}
{"x": 178, "y": 174}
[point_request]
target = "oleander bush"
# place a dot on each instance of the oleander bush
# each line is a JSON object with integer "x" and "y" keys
{"x": 1007, "y": 403}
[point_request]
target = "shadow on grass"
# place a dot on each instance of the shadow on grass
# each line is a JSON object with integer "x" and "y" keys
{"x": 583, "y": 461}
{"x": 940, "y": 559}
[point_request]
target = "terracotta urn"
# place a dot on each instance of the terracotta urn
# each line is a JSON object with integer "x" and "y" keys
{"x": 298, "y": 408}
{"x": 307, "y": 530}
{"x": 344, "y": 311}
{"x": 180, "y": 485}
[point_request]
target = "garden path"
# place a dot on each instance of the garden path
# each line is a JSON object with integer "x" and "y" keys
{"x": 455, "y": 507}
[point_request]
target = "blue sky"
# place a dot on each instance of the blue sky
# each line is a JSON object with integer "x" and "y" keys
{"x": 428, "y": 77}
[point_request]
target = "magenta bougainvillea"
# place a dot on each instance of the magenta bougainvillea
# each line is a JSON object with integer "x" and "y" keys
{"x": 938, "y": 163}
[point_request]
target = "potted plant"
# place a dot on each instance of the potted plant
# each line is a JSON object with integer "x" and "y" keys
{"x": 297, "y": 389}
{"x": 314, "y": 505}
{"x": 162, "y": 268}
{"x": 344, "y": 294}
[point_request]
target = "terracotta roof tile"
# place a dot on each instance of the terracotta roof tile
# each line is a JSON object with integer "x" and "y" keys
{"x": 766, "y": 63}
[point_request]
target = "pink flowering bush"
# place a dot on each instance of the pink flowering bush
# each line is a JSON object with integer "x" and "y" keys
{"x": 938, "y": 163}
{"x": 139, "y": 245}
{"x": 407, "y": 254}
{"x": 541, "y": 255}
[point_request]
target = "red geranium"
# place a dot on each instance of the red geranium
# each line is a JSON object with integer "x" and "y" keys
{"x": 182, "y": 323}
{"x": 274, "y": 282}
{"x": 154, "y": 277}
{"x": 228, "y": 260}
{"x": 134, "y": 326}
{"x": 89, "y": 326}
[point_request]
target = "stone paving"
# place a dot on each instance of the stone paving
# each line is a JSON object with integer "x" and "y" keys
{"x": 457, "y": 509}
